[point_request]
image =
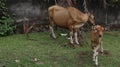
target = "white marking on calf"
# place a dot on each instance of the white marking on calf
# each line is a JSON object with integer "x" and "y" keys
{"x": 96, "y": 61}
{"x": 95, "y": 55}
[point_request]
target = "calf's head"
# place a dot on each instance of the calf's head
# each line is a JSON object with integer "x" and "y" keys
{"x": 98, "y": 30}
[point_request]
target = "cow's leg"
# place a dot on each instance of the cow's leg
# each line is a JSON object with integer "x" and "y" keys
{"x": 76, "y": 36}
{"x": 70, "y": 27}
{"x": 95, "y": 55}
{"x": 51, "y": 27}
{"x": 71, "y": 37}
{"x": 52, "y": 31}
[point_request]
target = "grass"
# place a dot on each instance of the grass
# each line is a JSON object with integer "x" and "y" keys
{"x": 17, "y": 51}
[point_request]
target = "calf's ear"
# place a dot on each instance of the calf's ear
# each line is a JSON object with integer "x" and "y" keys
{"x": 103, "y": 28}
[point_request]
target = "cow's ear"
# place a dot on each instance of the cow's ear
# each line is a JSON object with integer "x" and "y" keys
{"x": 93, "y": 27}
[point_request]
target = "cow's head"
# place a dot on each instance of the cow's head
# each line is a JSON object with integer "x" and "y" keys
{"x": 98, "y": 30}
{"x": 91, "y": 18}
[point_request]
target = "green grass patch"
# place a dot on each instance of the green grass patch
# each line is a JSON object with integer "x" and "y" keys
{"x": 16, "y": 51}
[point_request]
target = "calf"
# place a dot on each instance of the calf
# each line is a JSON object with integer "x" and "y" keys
{"x": 96, "y": 39}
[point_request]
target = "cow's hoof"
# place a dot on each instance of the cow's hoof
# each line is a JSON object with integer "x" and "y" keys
{"x": 93, "y": 60}
{"x": 77, "y": 43}
{"x": 66, "y": 44}
{"x": 74, "y": 45}
{"x": 53, "y": 37}
{"x": 96, "y": 64}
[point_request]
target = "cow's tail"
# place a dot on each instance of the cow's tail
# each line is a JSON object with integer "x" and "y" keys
{"x": 51, "y": 15}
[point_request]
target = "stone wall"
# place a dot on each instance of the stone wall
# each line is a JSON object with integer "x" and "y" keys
{"x": 33, "y": 9}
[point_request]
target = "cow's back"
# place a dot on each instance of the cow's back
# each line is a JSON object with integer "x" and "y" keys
{"x": 59, "y": 15}
{"x": 77, "y": 15}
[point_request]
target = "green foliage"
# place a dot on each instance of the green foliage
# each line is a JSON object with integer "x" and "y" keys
{"x": 6, "y": 21}
{"x": 5, "y": 25}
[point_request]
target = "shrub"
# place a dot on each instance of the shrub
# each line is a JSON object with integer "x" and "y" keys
{"x": 6, "y": 21}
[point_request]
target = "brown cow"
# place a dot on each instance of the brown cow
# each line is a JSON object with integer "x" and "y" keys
{"x": 69, "y": 18}
{"x": 96, "y": 39}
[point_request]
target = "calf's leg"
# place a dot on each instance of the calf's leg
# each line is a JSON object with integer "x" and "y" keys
{"x": 101, "y": 48}
{"x": 95, "y": 55}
